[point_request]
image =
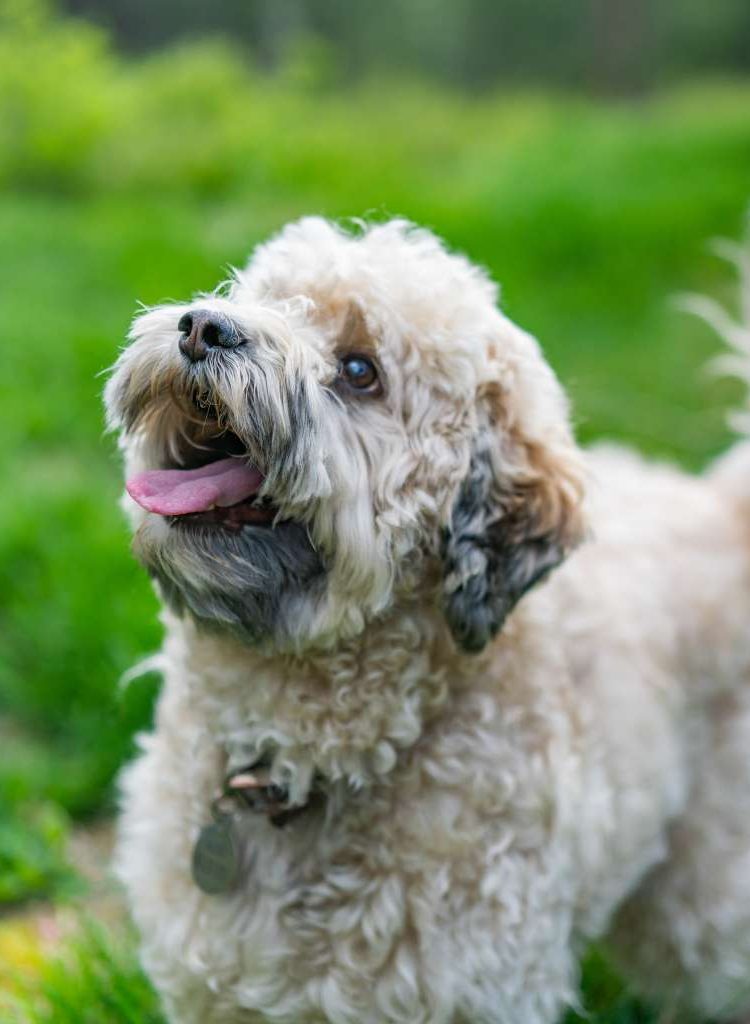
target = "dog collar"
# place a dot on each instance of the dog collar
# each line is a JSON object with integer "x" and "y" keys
{"x": 217, "y": 854}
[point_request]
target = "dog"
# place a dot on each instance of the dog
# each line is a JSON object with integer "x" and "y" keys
{"x": 445, "y": 697}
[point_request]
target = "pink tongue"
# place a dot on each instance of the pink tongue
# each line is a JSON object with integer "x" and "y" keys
{"x": 178, "y": 492}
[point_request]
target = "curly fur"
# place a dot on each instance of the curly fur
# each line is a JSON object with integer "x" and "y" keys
{"x": 509, "y": 770}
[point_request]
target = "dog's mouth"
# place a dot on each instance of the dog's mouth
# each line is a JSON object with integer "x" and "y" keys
{"x": 214, "y": 484}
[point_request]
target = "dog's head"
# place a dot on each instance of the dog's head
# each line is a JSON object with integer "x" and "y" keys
{"x": 350, "y": 424}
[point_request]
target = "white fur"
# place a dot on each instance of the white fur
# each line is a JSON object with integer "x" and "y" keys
{"x": 487, "y": 815}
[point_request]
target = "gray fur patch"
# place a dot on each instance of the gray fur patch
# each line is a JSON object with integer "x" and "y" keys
{"x": 489, "y": 561}
{"x": 245, "y": 582}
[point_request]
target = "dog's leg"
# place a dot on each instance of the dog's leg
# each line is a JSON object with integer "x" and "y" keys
{"x": 685, "y": 934}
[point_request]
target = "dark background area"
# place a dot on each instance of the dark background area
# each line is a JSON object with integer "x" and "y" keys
{"x": 604, "y": 46}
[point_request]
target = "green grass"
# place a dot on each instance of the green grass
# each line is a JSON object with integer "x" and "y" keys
{"x": 95, "y": 979}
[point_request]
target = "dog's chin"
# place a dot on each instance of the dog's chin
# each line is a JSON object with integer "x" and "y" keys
{"x": 251, "y": 579}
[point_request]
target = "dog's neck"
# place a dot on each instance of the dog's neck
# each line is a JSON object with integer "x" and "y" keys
{"x": 346, "y": 715}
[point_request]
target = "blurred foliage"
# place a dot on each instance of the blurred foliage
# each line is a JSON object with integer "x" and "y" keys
{"x": 32, "y": 853}
{"x": 623, "y": 45}
{"x": 75, "y": 117}
{"x": 94, "y": 979}
{"x": 606, "y": 999}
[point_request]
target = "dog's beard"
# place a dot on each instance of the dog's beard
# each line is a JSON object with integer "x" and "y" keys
{"x": 253, "y": 581}
{"x": 249, "y": 567}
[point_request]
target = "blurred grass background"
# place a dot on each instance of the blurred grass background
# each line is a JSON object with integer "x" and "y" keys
{"x": 142, "y": 177}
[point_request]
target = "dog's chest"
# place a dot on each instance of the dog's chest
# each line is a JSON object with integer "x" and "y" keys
{"x": 334, "y": 718}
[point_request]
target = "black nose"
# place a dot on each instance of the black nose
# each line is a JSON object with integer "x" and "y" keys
{"x": 203, "y": 330}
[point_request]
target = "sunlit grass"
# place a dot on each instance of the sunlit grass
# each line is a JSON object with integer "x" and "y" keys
{"x": 92, "y": 979}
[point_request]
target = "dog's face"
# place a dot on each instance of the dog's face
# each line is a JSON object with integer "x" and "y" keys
{"x": 349, "y": 425}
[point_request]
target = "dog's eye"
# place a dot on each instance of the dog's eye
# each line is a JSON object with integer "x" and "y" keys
{"x": 360, "y": 373}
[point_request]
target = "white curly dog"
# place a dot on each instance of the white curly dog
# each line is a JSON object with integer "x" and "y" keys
{"x": 389, "y": 781}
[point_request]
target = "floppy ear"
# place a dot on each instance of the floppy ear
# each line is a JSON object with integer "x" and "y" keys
{"x": 517, "y": 513}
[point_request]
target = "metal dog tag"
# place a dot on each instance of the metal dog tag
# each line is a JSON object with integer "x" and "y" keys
{"x": 216, "y": 857}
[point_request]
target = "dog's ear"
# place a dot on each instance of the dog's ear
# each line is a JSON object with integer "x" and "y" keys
{"x": 517, "y": 512}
